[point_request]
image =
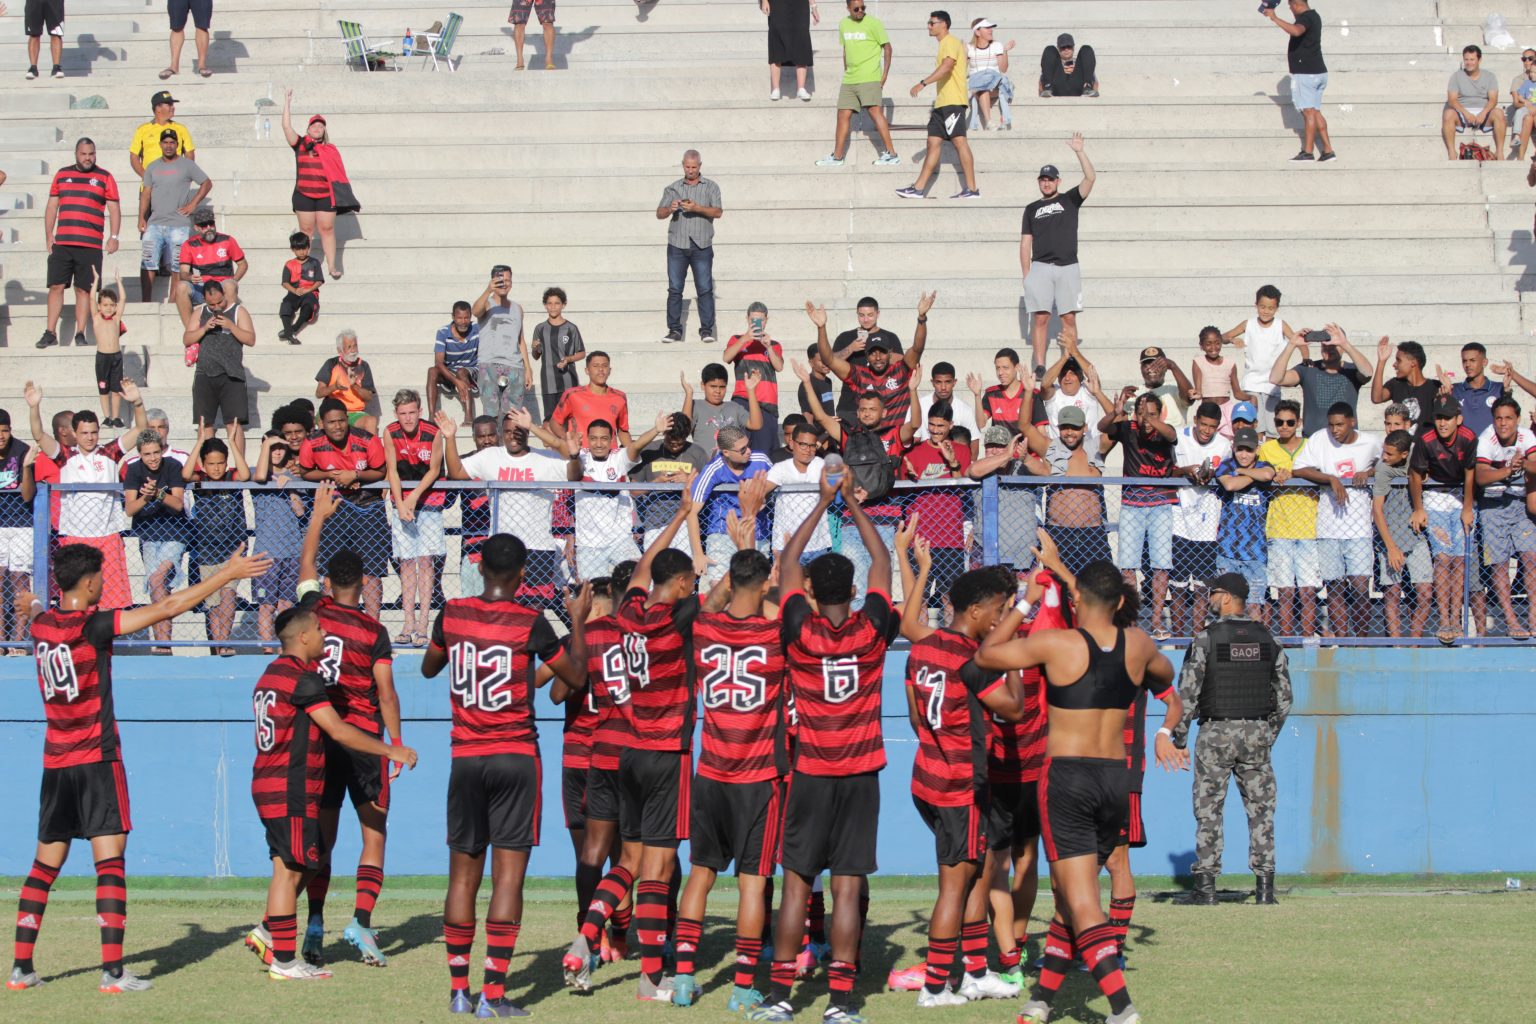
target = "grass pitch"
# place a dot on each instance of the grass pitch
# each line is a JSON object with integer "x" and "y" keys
{"x": 1359, "y": 950}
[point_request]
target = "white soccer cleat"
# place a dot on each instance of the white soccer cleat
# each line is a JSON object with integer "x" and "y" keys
{"x": 988, "y": 986}
{"x": 928, "y": 1000}
{"x": 296, "y": 970}
{"x": 125, "y": 982}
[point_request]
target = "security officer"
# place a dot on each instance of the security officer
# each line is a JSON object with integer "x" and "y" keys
{"x": 1236, "y": 682}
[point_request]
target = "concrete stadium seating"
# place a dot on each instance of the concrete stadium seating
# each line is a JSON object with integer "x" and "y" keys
{"x": 557, "y": 173}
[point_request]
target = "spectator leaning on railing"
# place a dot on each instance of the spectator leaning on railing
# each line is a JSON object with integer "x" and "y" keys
{"x": 154, "y": 497}
{"x": 351, "y": 458}
{"x": 667, "y": 456}
{"x": 1341, "y": 459}
{"x": 733, "y": 463}
{"x": 218, "y": 520}
{"x": 1505, "y": 452}
{"x": 1445, "y": 458}
{"x": 1404, "y": 550}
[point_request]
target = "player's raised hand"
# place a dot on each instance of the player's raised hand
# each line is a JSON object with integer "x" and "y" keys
{"x": 246, "y": 567}
{"x": 800, "y": 370}
{"x": 925, "y": 301}
{"x": 922, "y": 553}
{"x": 906, "y": 532}
{"x": 753, "y": 495}
{"x": 829, "y": 485}
{"x": 1047, "y": 552}
{"x": 130, "y": 392}
{"x": 326, "y": 500}
{"x": 578, "y": 602}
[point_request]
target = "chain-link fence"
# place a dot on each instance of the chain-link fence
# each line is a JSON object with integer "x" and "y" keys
{"x": 1352, "y": 564}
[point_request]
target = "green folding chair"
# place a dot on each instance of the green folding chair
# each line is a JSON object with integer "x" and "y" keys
{"x": 439, "y": 45}
{"x": 357, "y": 46}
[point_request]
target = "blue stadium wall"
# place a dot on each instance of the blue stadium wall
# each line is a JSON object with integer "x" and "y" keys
{"x": 1394, "y": 760}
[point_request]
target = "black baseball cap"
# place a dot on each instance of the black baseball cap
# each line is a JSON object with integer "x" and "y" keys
{"x": 1231, "y": 583}
{"x": 160, "y": 97}
{"x": 169, "y": 133}
{"x": 877, "y": 341}
{"x": 1049, "y": 171}
{"x": 1245, "y": 437}
{"x": 1152, "y": 354}
{"x": 1447, "y": 409}
{"x": 203, "y": 215}
{"x": 1065, "y": 40}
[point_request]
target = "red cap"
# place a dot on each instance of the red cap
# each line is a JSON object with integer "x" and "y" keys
{"x": 317, "y": 117}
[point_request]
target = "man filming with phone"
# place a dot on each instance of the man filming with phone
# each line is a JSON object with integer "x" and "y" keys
{"x": 1309, "y": 75}
{"x": 1327, "y": 380}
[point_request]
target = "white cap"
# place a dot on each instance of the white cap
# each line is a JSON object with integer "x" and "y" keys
{"x": 984, "y": 23}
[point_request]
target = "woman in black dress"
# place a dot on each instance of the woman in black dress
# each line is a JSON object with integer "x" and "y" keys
{"x": 789, "y": 41}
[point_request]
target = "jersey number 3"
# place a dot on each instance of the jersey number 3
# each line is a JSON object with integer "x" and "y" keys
{"x": 728, "y": 683}
{"x": 330, "y": 664}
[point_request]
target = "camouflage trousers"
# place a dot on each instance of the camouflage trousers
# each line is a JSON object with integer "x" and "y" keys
{"x": 1224, "y": 750}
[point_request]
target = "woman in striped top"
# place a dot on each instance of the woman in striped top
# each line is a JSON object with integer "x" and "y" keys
{"x": 313, "y": 200}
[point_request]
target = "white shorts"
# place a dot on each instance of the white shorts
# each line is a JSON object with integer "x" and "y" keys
{"x": 16, "y": 549}
{"x": 594, "y": 560}
{"x": 1338, "y": 558}
{"x": 1293, "y": 563}
{"x": 422, "y": 537}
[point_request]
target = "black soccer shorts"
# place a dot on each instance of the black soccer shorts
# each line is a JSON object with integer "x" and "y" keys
{"x": 602, "y": 803}
{"x": 948, "y": 123}
{"x": 959, "y": 833}
{"x": 830, "y": 824}
{"x": 1013, "y": 819}
{"x": 109, "y": 372}
{"x": 83, "y": 801}
{"x": 494, "y": 800}
{"x": 653, "y": 796}
{"x": 296, "y": 842}
{"x": 736, "y": 822}
{"x": 573, "y": 796}
{"x": 1083, "y": 806}
{"x": 364, "y": 778}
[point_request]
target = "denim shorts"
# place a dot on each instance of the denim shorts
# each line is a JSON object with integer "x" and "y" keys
{"x": 1254, "y": 570}
{"x": 1507, "y": 530}
{"x": 1307, "y": 91}
{"x": 1149, "y": 526}
{"x": 158, "y": 552}
{"x": 1339, "y": 558}
{"x": 1445, "y": 533}
{"x": 1417, "y": 569}
{"x": 162, "y": 244}
{"x": 1293, "y": 563}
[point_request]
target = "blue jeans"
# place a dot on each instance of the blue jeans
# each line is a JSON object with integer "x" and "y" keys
{"x": 985, "y": 81}
{"x": 702, "y": 261}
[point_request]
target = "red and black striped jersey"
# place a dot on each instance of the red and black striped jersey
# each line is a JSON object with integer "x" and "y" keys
{"x": 1003, "y": 409}
{"x": 354, "y": 643}
{"x": 74, "y": 672}
{"x": 950, "y": 769}
{"x": 580, "y": 724}
{"x": 608, "y": 689}
{"x": 361, "y": 450}
{"x": 289, "y": 774}
{"x": 835, "y": 673}
{"x": 741, "y": 680}
{"x": 1135, "y": 735}
{"x": 310, "y": 178}
{"x": 413, "y": 458}
{"x": 658, "y": 661}
{"x": 891, "y": 386}
{"x": 491, "y": 646}
{"x": 1016, "y": 750}
{"x": 83, "y": 196}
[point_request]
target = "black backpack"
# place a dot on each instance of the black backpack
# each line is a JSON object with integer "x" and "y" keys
{"x": 872, "y": 468}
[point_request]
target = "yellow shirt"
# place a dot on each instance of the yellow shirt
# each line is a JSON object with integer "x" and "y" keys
{"x": 952, "y": 88}
{"x": 146, "y": 140}
{"x": 1292, "y": 511}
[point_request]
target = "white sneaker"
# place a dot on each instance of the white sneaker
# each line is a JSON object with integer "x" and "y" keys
{"x": 830, "y": 161}
{"x": 296, "y": 970}
{"x": 801, "y": 94}
{"x": 988, "y": 986}
{"x": 887, "y": 159}
{"x": 928, "y": 1000}
{"x": 774, "y": 95}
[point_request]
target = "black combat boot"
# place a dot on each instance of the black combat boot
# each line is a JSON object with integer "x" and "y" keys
{"x": 1264, "y": 890}
{"x": 1204, "y": 893}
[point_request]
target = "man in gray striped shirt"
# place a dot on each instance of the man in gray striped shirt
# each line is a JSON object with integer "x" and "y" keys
{"x": 692, "y": 203}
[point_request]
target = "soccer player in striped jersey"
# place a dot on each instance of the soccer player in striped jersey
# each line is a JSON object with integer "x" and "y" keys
{"x": 358, "y": 668}
{"x": 294, "y": 716}
{"x": 948, "y": 700}
{"x": 738, "y": 793}
{"x": 85, "y": 788}
{"x": 835, "y": 657}
{"x": 488, "y": 644}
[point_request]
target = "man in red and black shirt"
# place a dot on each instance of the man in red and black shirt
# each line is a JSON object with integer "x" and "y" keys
{"x": 1446, "y": 456}
{"x": 1004, "y": 402}
{"x": 881, "y": 374}
{"x": 207, "y": 255}
{"x": 948, "y": 700}
{"x": 358, "y": 669}
{"x": 743, "y": 767}
{"x": 294, "y": 717}
{"x": 85, "y": 789}
{"x": 81, "y": 201}
{"x": 351, "y": 457}
{"x": 941, "y": 514}
{"x": 835, "y": 657}
{"x": 488, "y": 644}
{"x": 1146, "y": 512}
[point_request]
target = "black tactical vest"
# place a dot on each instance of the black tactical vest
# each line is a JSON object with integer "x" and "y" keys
{"x": 1239, "y": 676}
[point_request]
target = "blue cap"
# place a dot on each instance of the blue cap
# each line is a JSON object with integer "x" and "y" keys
{"x": 1245, "y": 411}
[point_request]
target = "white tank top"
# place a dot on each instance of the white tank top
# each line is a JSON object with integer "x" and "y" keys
{"x": 1262, "y": 346}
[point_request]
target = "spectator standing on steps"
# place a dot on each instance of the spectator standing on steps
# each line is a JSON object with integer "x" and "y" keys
{"x": 36, "y": 15}
{"x": 545, "y": 10}
{"x": 691, "y": 204}
{"x": 866, "y": 65}
{"x": 174, "y": 186}
{"x": 951, "y": 105}
{"x": 202, "y": 20}
{"x": 82, "y": 204}
{"x": 1236, "y": 681}
{"x": 321, "y": 189}
{"x": 1309, "y": 76}
{"x": 504, "y": 369}
{"x": 789, "y": 41}
{"x": 1066, "y": 71}
{"x": 1048, "y": 252}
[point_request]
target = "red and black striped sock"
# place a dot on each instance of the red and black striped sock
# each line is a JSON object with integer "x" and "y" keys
{"x": 781, "y": 980}
{"x": 29, "y": 911}
{"x": 686, "y": 943}
{"x": 459, "y": 938}
{"x": 840, "y": 982}
{"x": 284, "y": 930}
{"x": 816, "y": 918}
{"x": 1056, "y": 961}
{"x": 370, "y": 880}
{"x": 319, "y": 885}
{"x": 111, "y": 912}
{"x": 973, "y": 947}
{"x": 619, "y": 921}
{"x": 1010, "y": 959}
{"x": 609, "y": 892}
{"x": 651, "y": 926}
{"x": 500, "y": 941}
{"x": 1120, "y": 911}
{"x": 1100, "y": 950}
{"x": 748, "y": 952}
{"x": 941, "y": 960}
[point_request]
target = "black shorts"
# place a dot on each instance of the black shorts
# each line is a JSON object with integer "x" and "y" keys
{"x": 83, "y": 801}
{"x": 959, "y": 833}
{"x": 736, "y": 821}
{"x": 350, "y": 773}
{"x": 602, "y": 794}
{"x": 37, "y": 13}
{"x": 109, "y": 373}
{"x": 1194, "y": 561}
{"x": 653, "y": 796}
{"x": 1082, "y": 806}
{"x": 201, "y": 11}
{"x": 214, "y": 396}
{"x": 494, "y": 800}
{"x": 361, "y": 528}
{"x": 948, "y": 122}
{"x": 296, "y": 842}
{"x": 72, "y": 265}
{"x": 573, "y": 796}
{"x": 1013, "y": 819}
{"x": 1133, "y": 833}
{"x": 309, "y": 204}
{"x": 830, "y": 824}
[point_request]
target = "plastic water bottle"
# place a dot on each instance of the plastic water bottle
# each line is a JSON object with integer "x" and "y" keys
{"x": 266, "y": 128}
{"x": 406, "y": 44}
{"x": 834, "y": 464}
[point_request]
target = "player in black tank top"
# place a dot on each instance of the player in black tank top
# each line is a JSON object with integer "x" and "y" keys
{"x": 1105, "y": 685}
